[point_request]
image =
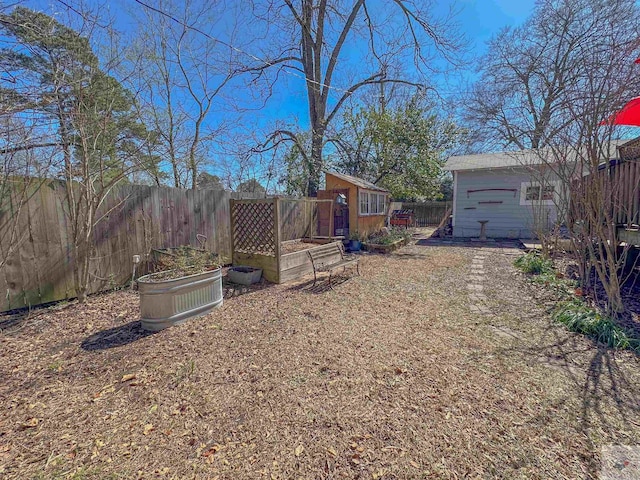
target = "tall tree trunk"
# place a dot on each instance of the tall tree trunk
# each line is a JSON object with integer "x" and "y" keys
{"x": 317, "y": 163}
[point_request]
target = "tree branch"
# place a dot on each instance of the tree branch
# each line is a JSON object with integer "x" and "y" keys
{"x": 372, "y": 80}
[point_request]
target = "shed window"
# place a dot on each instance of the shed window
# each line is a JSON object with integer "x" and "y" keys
{"x": 382, "y": 203}
{"x": 548, "y": 192}
{"x": 373, "y": 200}
{"x": 532, "y": 192}
{"x": 364, "y": 203}
{"x": 372, "y": 203}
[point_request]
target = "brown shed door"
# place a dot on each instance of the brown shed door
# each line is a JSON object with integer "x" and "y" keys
{"x": 340, "y": 219}
{"x": 324, "y": 212}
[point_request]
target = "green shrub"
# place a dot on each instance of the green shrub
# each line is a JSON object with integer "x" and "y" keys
{"x": 579, "y": 317}
{"x": 534, "y": 263}
{"x": 355, "y": 236}
{"x": 387, "y": 237}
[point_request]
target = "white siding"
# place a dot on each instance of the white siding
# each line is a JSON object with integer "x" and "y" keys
{"x": 507, "y": 219}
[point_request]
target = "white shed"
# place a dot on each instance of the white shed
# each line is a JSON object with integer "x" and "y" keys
{"x": 515, "y": 193}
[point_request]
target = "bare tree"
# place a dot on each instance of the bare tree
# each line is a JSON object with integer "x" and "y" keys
{"x": 187, "y": 70}
{"x": 161, "y": 109}
{"x": 522, "y": 96}
{"x": 311, "y": 36}
{"x": 593, "y": 77}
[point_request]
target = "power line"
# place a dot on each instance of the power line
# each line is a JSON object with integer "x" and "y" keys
{"x": 239, "y": 50}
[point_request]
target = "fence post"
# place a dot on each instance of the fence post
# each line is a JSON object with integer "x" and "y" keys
{"x": 276, "y": 217}
{"x": 232, "y": 226}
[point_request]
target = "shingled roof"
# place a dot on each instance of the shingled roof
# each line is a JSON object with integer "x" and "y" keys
{"x": 358, "y": 182}
{"x": 518, "y": 158}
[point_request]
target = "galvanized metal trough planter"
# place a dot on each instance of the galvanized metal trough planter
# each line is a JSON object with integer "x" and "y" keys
{"x": 164, "y": 303}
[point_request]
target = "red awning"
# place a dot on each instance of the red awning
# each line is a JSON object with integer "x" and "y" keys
{"x": 629, "y": 115}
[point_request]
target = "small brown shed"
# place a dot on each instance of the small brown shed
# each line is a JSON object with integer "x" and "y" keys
{"x": 358, "y": 206}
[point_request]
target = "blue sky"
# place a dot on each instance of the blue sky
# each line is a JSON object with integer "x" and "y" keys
{"x": 483, "y": 18}
{"x": 477, "y": 20}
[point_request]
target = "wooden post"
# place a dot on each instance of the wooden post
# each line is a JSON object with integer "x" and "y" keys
{"x": 308, "y": 232}
{"x": 314, "y": 218}
{"x": 232, "y": 218}
{"x": 331, "y": 231}
{"x": 276, "y": 217}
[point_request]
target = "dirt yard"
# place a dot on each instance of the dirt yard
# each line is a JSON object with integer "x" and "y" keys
{"x": 392, "y": 375}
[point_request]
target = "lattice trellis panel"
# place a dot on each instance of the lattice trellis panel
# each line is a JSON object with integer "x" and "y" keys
{"x": 254, "y": 227}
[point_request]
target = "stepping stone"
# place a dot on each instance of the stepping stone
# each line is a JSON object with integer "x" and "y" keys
{"x": 478, "y": 297}
{"x": 474, "y": 288}
{"x": 505, "y": 332}
{"x": 479, "y": 309}
{"x": 476, "y": 278}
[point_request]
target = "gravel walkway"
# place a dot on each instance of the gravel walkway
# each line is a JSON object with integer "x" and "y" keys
{"x": 438, "y": 362}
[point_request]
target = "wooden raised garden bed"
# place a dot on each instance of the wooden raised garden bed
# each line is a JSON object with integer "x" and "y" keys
{"x": 286, "y": 266}
{"x": 384, "y": 248}
{"x": 275, "y": 235}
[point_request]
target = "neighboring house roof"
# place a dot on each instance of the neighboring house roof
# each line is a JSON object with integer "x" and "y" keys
{"x": 519, "y": 158}
{"x": 630, "y": 150}
{"x": 358, "y": 182}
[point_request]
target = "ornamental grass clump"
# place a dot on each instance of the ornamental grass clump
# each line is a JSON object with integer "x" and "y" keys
{"x": 579, "y": 317}
{"x": 572, "y": 311}
{"x": 534, "y": 263}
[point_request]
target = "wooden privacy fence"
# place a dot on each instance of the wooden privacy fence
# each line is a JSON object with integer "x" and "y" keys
{"x": 428, "y": 214}
{"x": 613, "y": 191}
{"x": 625, "y": 181}
{"x": 132, "y": 220}
{"x": 298, "y": 218}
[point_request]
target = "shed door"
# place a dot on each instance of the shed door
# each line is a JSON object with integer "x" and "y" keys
{"x": 324, "y": 213}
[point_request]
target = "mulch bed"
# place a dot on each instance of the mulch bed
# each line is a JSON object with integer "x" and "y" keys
{"x": 387, "y": 376}
{"x": 296, "y": 246}
{"x": 595, "y": 293}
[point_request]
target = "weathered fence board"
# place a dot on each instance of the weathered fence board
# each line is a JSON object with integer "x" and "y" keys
{"x": 298, "y": 218}
{"x": 617, "y": 196}
{"x": 428, "y": 214}
{"x": 133, "y": 220}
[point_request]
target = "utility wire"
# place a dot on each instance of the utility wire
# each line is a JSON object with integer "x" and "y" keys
{"x": 239, "y": 50}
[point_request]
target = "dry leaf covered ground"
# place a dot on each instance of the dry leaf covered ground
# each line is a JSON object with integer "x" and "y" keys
{"x": 389, "y": 376}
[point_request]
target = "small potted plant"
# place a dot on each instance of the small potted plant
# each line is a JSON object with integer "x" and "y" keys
{"x": 355, "y": 242}
{"x": 189, "y": 284}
